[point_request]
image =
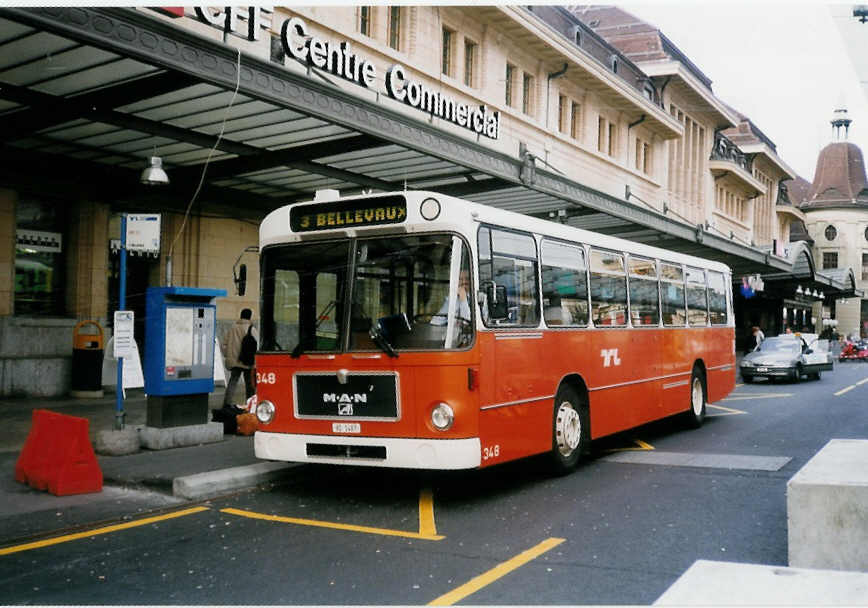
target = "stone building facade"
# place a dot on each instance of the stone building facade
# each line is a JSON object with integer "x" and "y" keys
{"x": 591, "y": 95}
{"x": 836, "y": 210}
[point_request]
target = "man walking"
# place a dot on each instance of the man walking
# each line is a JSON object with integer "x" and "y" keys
{"x": 233, "y": 347}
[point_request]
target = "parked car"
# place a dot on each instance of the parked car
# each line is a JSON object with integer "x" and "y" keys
{"x": 820, "y": 348}
{"x": 786, "y": 356}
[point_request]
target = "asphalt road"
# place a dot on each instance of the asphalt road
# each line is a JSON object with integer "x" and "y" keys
{"x": 619, "y": 530}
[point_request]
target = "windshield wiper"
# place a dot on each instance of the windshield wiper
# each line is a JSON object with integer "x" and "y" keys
{"x": 298, "y": 350}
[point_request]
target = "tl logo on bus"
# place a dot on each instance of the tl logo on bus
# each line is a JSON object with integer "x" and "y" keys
{"x": 345, "y": 401}
{"x": 610, "y": 357}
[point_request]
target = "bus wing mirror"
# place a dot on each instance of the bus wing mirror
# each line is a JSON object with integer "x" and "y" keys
{"x": 241, "y": 280}
{"x": 496, "y": 297}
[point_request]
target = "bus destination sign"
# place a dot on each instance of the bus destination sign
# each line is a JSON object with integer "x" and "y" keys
{"x": 348, "y": 214}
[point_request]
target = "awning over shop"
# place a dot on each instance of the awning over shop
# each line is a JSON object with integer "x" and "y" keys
{"x": 88, "y": 94}
{"x": 832, "y": 283}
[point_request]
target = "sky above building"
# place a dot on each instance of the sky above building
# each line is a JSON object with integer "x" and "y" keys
{"x": 787, "y": 66}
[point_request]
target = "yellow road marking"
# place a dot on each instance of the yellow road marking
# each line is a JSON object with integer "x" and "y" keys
{"x": 729, "y": 410}
{"x": 107, "y": 529}
{"x": 861, "y": 382}
{"x": 334, "y": 526}
{"x": 757, "y": 396}
{"x": 427, "y": 527}
{"x": 844, "y": 390}
{"x": 642, "y": 447}
{"x": 477, "y": 583}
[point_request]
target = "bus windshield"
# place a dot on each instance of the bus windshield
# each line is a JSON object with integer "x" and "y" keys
{"x": 388, "y": 293}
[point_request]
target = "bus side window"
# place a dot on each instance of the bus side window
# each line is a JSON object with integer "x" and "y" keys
{"x": 608, "y": 289}
{"x": 644, "y": 305}
{"x": 508, "y": 260}
{"x": 697, "y": 299}
{"x": 672, "y": 295}
{"x": 565, "y": 284}
{"x": 717, "y": 298}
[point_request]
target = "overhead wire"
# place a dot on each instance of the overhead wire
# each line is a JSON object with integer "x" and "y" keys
{"x": 207, "y": 162}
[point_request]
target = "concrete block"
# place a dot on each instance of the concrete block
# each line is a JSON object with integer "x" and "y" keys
{"x": 213, "y": 483}
{"x": 117, "y": 442}
{"x": 180, "y": 436}
{"x": 708, "y": 583}
{"x": 827, "y": 509}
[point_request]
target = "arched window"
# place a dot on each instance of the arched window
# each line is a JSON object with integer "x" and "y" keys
{"x": 578, "y": 37}
{"x": 831, "y": 233}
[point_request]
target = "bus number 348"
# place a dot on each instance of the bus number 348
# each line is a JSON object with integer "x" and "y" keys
{"x": 490, "y": 452}
{"x": 266, "y": 378}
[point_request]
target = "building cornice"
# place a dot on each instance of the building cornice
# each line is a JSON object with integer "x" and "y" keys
{"x": 655, "y": 116}
{"x": 676, "y": 69}
{"x": 771, "y": 155}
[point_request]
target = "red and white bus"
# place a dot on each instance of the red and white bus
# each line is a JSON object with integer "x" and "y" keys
{"x": 417, "y": 330}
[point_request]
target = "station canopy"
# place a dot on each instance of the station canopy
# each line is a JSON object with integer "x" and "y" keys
{"x": 87, "y": 95}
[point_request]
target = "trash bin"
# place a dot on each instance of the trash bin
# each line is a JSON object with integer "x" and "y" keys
{"x": 87, "y": 354}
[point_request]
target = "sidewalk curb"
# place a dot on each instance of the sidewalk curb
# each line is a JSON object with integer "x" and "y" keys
{"x": 213, "y": 483}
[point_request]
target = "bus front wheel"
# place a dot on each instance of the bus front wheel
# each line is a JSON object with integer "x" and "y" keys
{"x": 570, "y": 430}
{"x": 695, "y": 415}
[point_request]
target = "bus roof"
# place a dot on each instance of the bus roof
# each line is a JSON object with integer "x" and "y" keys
{"x": 462, "y": 216}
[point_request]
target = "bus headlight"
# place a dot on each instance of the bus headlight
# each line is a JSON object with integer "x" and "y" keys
{"x": 442, "y": 417}
{"x": 265, "y": 411}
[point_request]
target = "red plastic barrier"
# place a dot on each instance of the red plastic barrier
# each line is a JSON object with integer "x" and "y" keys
{"x": 58, "y": 456}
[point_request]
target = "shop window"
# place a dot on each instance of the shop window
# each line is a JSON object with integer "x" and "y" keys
{"x": 365, "y": 20}
{"x": 509, "y": 84}
{"x": 395, "y": 27}
{"x": 562, "y": 113}
{"x": 471, "y": 50}
{"x": 39, "y": 258}
{"x": 528, "y": 91}
{"x": 575, "y": 117}
{"x": 448, "y": 52}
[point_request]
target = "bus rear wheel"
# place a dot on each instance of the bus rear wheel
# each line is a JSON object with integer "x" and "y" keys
{"x": 570, "y": 430}
{"x": 695, "y": 415}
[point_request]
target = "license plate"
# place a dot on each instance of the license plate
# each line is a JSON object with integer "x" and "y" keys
{"x": 346, "y": 427}
{"x": 762, "y": 369}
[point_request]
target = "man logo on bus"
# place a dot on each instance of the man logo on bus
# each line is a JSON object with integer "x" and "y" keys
{"x": 610, "y": 357}
{"x": 345, "y": 401}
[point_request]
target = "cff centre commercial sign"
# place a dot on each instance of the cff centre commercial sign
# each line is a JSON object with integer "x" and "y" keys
{"x": 340, "y": 59}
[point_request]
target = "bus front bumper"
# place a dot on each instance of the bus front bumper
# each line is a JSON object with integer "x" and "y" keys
{"x": 435, "y": 454}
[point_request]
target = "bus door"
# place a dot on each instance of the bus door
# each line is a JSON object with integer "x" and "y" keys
{"x": 517, "y": 392}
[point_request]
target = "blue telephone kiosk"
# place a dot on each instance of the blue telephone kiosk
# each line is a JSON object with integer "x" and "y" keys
{"x": 180, "y": 327}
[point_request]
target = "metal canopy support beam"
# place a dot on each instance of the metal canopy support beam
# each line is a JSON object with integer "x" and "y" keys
{"x": 148, "y": 39}
{"x": 230, "y": 167}
{"x": 64, "y": 109}
{"x": 98, "y": 178}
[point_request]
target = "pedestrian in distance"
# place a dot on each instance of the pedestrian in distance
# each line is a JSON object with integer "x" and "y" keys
{"x": 239, "y": 359}
{"x": 755, "y": 339}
